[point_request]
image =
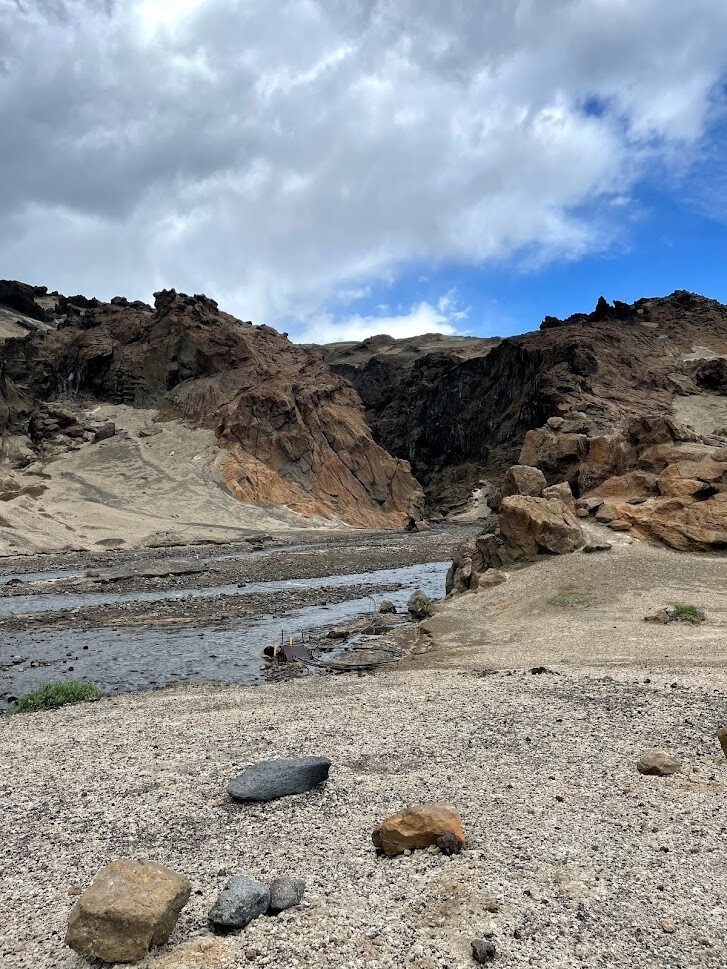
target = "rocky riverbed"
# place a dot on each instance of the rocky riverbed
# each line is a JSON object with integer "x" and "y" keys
{"x": 129, "y": 621}
{"x": 528, "y": 707}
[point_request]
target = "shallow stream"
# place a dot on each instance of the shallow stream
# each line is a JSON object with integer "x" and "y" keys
{"x": 141, "y": 657}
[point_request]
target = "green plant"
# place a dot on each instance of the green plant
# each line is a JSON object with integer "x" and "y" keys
{"x": 685, "y": 612}
{"x": 570, "y": 598}
{"x": 52, "y": 695}
{"x": 420, "y": 606}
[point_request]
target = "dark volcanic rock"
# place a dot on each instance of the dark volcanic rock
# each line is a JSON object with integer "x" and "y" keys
{"x": 460, "y": 412}
{"x": 20, "y": 297}
{"x": 272, "y": 779}
{"x": 240, "y": 901}
{"x": 285, "y": 892}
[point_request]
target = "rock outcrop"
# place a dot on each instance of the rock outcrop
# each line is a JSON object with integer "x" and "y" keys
{"x": 460, "y": 412}
{"x": 656, "y": 478}
{"x": 295, "y": 432}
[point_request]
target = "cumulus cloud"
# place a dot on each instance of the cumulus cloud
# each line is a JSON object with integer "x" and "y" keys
{"x": 278, "y": 156}
{"x": 445, "y": 317}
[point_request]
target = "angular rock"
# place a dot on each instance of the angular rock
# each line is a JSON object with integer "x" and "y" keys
{"x": 285, "y": 892}
{"x": 418, "y": 827}
{"x": 619, "y": 525}
{"x": 658, "y": 763}
{"x": 722, "y": 737}
{"x": 240, "y": 901}
{"x": 531, "y": 526}
{"x": 523, "y": 480}
{"x": 130, "y": 906}
{"x": 271, "y": 779}
{"x": 483, "y": 951}
{"x": 490, "y": 579}
{"x": 387, "y": 608}
{"x": 591, "y": 505}
{"x": 561, "y": 490}
{"x": 597, "y": 547}
{"x": 105, "y": 431}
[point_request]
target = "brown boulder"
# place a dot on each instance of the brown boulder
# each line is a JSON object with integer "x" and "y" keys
{"x": 523, "y": 480}
{"x": 682, "y": 523}
{"x": 418, "y": 827}
{"x": 658, "y": 763}
{"x": 490, "y": 579}
{"x": 559, "y": 456}
{"x": 561, "y": 490}
{"x": 722, "y": 737}
{"x": 130, "y": 906}
{"x": 530, "y": 526}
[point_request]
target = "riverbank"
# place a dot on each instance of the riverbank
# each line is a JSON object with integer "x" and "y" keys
{"x": 573, "y": 858}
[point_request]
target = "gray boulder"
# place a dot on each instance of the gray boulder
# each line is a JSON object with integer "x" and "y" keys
{"x": 271, "y": 779}
{"x": 105, "y": 431}
{"x": 285, "y": 892}
{"x": 240, "y": 901}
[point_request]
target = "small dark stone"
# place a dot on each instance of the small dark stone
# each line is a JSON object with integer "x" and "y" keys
{"x": 636, "y": 501}
{"x": 285, "y": 893}
{"x": 105, "y": 431}
{"x": 449, "y": 844}
{"x": 240, "y": 901}
{"x": 483, "y": 951}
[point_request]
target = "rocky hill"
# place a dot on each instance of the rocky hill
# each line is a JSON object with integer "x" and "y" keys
{"x": 292, "y": 433}
{"x": 459, "y": 410}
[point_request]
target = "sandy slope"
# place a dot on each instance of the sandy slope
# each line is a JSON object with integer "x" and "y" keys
{"x": 130, "y": 491}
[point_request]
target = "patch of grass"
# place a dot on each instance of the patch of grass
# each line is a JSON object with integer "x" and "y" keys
{"x": 420, "y": 606}
{"x": 685, "y": 612}
{"x": 52, "y": 695}
{"x": 571, "y": 599}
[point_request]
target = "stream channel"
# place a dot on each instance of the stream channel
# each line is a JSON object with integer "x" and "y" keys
{"x": 120, "y": 658}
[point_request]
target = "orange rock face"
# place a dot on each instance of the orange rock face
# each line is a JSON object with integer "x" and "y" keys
{"x": 295, "y": 431}
{"x": 418, "y": 827}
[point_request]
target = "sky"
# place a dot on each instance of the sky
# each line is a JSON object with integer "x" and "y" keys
{"x": 339, "y": 168}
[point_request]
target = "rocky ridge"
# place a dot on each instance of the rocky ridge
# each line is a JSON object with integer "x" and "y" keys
{"x": 460, "y": 411}
{"x": 294, "y": 432}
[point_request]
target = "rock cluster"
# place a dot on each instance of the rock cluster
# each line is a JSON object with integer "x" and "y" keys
{"x": 532, "y": 519}
{"x": 656, "y": 479}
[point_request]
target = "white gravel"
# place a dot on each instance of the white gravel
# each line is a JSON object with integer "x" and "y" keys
{"x": 589, "y": 863}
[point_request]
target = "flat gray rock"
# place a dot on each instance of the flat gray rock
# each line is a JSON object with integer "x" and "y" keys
{"x": 285, "y": 893}
{"x": 240, "y": 901}
{"x": 271, "y": 779}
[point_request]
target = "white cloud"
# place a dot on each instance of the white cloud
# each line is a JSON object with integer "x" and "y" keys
{"x": 421, "y": 318}
{"x": 279, "y": 155}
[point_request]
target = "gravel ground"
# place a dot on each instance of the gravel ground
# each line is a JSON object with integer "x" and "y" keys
{"x": 585, "y": 861}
